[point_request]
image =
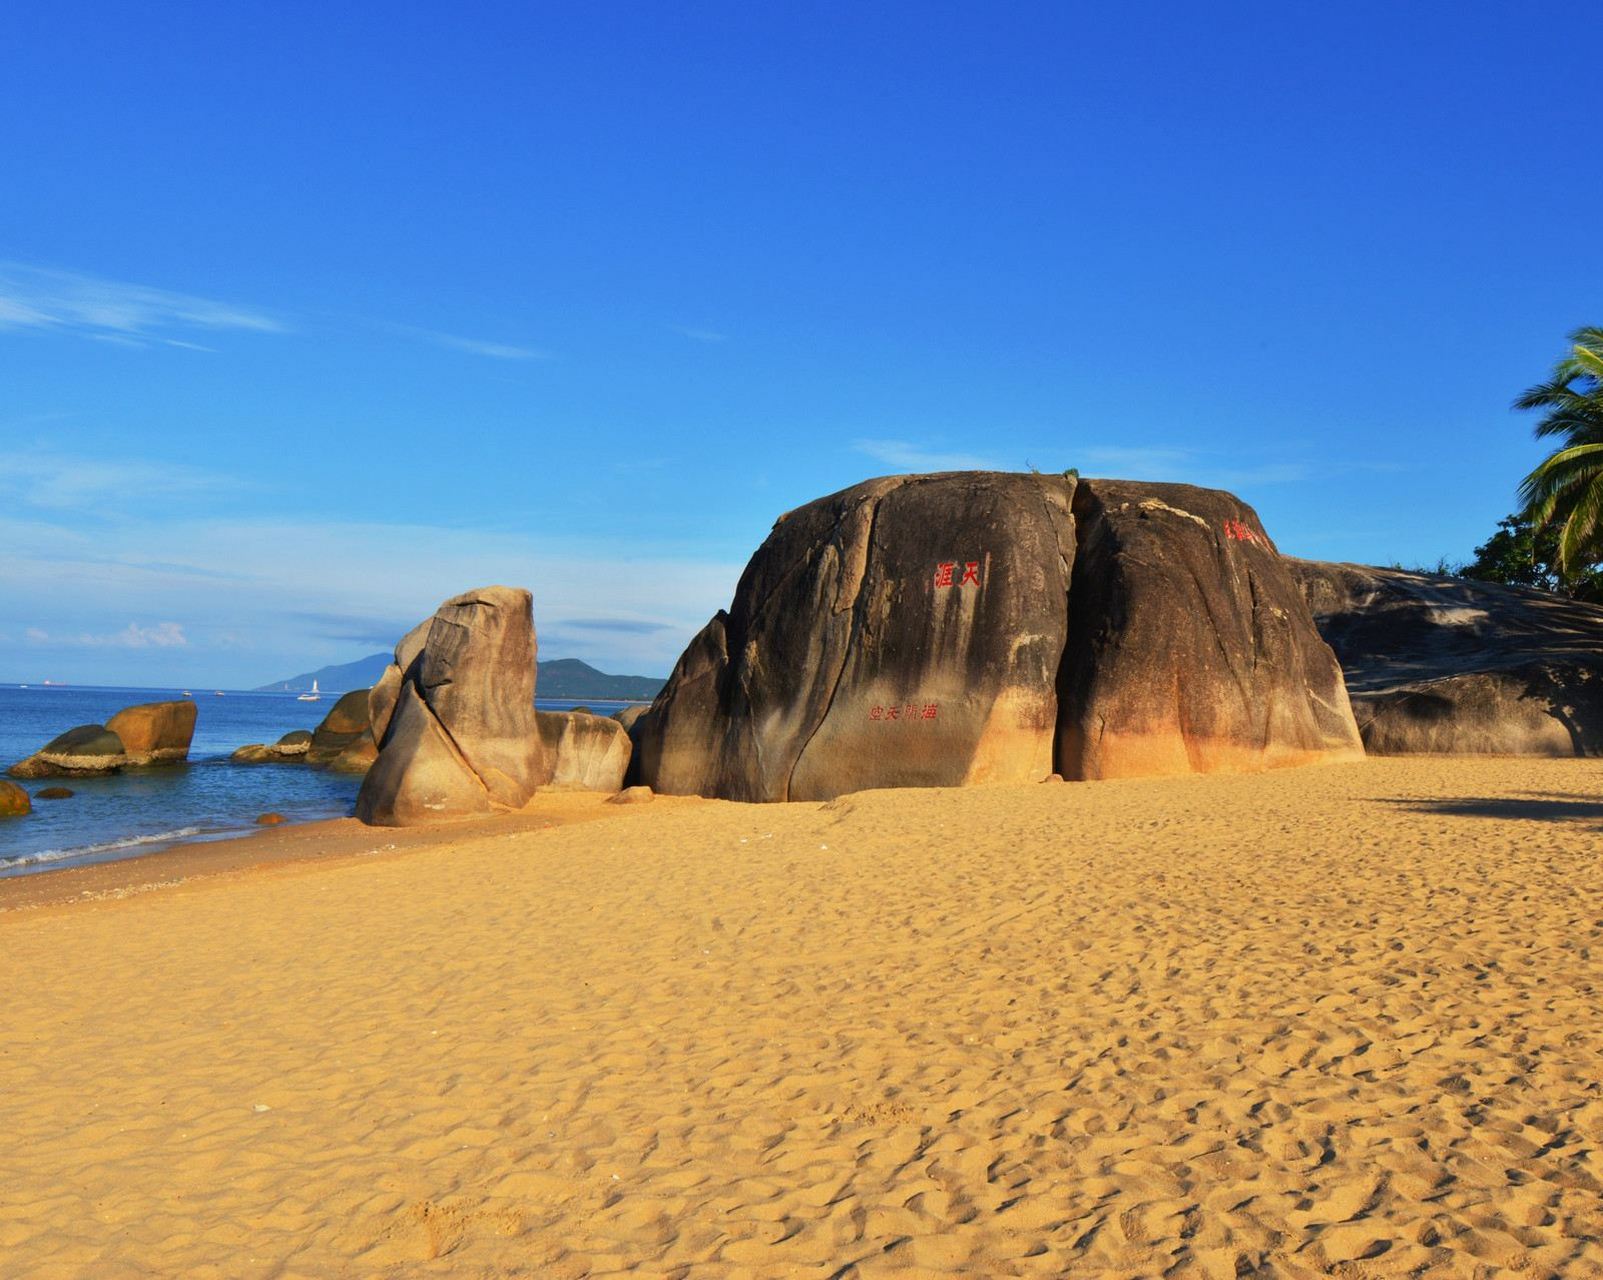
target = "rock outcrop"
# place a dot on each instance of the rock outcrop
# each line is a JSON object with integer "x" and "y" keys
{"x": 290, "y": 749}
{"x": 975, "y": 627}
{"x": 85, "y": 751}
{"x": 583, "y": 752}
{"x": 628, "y": 715}
{"x": 459, "y": 735}
{"x": 1439, "y": 665}
{"x": 358, "y": 757}
{"x": 155, "y": 732}
{"x": 346, "y": 721}
{"x": 14, "y": 801}
{"x": 1191, "y": 649}
{"x": 904, "y": 632}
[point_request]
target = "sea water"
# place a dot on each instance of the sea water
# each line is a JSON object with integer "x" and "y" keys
{"x": 140, "y": 811}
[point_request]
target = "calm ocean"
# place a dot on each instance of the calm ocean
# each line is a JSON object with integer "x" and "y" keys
{"x": 141, "y": 811}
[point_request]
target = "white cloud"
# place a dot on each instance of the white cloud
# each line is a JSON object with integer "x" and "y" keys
{"x": 112, "y": 310}
{"x": 474, "y": 346}
{"x": 905, "y": 455}
{"x": 710, "y": 336}
{"x": 58, "y": 482}
{"x": 164, "y": 635}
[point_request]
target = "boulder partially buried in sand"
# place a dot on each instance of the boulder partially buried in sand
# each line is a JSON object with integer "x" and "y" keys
{"x": 461, "y": 738}
{"x": 583, "y": 752}
{"x": 155, "y": 732}
{"x": 1447, "y": 666}
{"x": 977, "y": 627}
{"x": 1191, "y": 649}
{"x": 904, "y": 632}
{"x": 14, "y": 801}
{"x": 85, "y": 751}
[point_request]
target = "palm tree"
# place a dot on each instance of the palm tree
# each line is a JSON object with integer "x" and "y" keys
{"x": 1566, "y": 488}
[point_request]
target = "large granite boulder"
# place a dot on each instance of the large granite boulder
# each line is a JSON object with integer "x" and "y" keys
{"x": 583, "y": 752}
{"x": 975, "y": 627}
{"x": 85, "y": 751}
{"x": 346, "y": 721}
{"x": 627, "y": 716}
{"x": 904, "y": 632}
{"x": 1190, "y": 649}
{"x": 459, "y": 734}
{"x": 14, "y": 801}
{"x": 155, "y": 732}
{"x": 1439, "y": 665}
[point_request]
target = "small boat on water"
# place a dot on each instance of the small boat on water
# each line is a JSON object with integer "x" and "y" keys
{"x": 313, "y": 696}
{"x": 218, "y": 692}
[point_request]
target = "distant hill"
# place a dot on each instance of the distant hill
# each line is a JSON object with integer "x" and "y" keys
{"x": 559, "y": 678}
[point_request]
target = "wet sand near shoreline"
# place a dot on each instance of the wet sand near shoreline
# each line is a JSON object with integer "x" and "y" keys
{"x": 1338, "y": 1021}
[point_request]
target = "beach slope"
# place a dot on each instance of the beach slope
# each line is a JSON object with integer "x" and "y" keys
{"x": 1333, "y": 1021}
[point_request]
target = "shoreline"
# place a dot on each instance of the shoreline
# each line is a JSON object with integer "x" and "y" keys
{"x": 292, "y": 845}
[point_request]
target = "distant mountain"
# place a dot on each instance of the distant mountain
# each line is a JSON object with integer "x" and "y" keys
{"x": 559, "y": 678}
{"x": 570, "y": 678}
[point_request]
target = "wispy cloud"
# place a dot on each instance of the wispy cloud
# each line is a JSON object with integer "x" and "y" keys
{"x": 114, "y": 310}
{"x": 163, "y": 635}
{"x": 60, "y": 483}
{"x": 907, "y": 455}
{"x": 699, "y": 335}
{"x": 473, "y": 346}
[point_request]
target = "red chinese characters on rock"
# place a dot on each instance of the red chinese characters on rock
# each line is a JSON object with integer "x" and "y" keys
{"x": 1240, "y": 532}
{"x": 946, "y": 573}
{"x": 908, "y": 713}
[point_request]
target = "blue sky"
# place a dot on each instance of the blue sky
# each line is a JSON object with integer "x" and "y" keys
{"x": 313, "y": 315}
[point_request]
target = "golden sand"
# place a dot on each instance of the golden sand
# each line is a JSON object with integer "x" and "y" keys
{"x": 1337, "y": 1021}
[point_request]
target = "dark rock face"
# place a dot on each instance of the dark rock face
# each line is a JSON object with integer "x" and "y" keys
{"x": 346, "y": 721}
{"x": 1446, "y": 666}
{"x": 977, "y": 627}
{"x": 629, "y": 715}
{"x": 583, "y": 752}
{"x": 84, "y": 751}
{"x": 459, "y": 733}
{"x": 14, "y": 801}
{"x": 155, "y": 732}
{"x": 904, "y": 632}
{"x": 54, "y": 793}
{"x": 1191, "y": 649}
{"x": 358, "y": 757}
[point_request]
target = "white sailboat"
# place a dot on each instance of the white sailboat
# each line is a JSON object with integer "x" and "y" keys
{"x": 313, "y": 696}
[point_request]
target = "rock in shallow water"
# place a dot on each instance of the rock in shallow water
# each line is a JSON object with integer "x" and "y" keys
{"x": 54, "y": 793}
{"x": 85, "y": 751}
{"x": 14, "y": 801}
{"x": 155, "y": 732}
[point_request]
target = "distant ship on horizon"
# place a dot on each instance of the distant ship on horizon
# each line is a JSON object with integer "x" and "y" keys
{"x": 313, "y": 696}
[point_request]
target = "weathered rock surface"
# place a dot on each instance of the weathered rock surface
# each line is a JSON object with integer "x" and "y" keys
{"x": 903, "y": 632}
{"x": 290, "y": 749}
{"x": 84, "y": 751}
{"x": 628, "y": 715}
{"x": 14, "y": 801}
{"x": 1191, "y": 649}
{"x": 1439, "y": 665}
{"x": 155, "y": 732}
{"x": 346, "y": 721}
{"x": 358, "y": 757}
{"x": 459, "y": 729}
{"x": 583, "y": 752}
{"x": 976, "y": 627}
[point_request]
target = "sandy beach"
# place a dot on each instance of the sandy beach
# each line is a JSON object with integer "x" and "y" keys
{"x": 1339, "y": 1021}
